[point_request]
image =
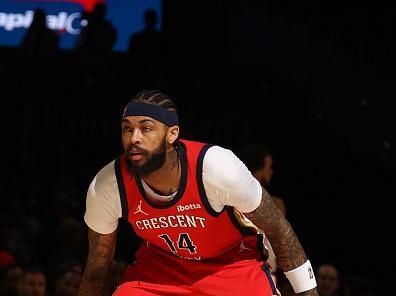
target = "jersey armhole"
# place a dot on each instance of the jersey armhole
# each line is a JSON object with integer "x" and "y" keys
{"x": 121, "y": 188}
{"x": 128, "y": 242}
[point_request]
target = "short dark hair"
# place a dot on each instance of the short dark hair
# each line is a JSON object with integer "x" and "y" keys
{"x": 253, "y": 155}
{"x": 31, "y": 270}
{"x": 155, "y": 97}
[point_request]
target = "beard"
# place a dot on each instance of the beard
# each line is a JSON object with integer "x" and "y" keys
{"x": 155, "y": 159}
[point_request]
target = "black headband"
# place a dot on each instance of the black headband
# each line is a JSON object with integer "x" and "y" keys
{"x": 154, "y": 111}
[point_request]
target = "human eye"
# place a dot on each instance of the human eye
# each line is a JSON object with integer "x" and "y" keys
{"x": 125, "y": 129}
{"x": 147, "y": 129}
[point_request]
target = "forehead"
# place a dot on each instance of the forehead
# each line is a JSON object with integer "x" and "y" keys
{"x": 71, "y": 278}
{"x": 14, "y": 272}
{"x": 327, "y": 270}
{"x": 35, "y": 277}
{"x": 268, "y": 159}
{"x": 136, "y": 120}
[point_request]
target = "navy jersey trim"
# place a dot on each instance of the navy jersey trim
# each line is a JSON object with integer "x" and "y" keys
{"x": 201, "y": 188}
{"x": 267, "y": 270}
{"x": 121, "y": 189}
{"x": 127, "y": 242}
{"x": 260, "y": 245}
{"x": 183, "y": 183}
{"x": 244, "y": 230}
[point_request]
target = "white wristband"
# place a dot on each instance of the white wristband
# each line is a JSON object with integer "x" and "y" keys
{"x": 302, "y": 278}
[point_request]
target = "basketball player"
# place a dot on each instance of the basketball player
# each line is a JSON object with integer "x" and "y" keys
{"x": 181, "y": 198}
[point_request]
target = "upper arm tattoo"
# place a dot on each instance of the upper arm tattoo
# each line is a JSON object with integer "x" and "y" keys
{"x": 100, "y": 255}
{"x": 284, "y": 241}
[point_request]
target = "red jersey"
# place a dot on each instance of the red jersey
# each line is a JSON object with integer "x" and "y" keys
{"x": 186, "y": 226}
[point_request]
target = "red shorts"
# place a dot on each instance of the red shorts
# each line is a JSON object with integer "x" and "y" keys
{"x": 158, "y": 274}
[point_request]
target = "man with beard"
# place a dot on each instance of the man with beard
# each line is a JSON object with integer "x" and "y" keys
{"x": 180, "y": 198}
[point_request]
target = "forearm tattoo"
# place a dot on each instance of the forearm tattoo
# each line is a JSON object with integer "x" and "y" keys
{"x": 96, "y": 278}
{"x": 287, "y": 248}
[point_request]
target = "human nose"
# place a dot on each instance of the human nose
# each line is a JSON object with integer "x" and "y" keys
{"x": 136, "y": 136}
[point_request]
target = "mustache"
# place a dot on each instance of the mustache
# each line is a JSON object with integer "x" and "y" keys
{"x": 135, "y": 149}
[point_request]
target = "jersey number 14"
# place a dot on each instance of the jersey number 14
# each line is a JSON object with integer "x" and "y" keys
{"x": 183, "y": 243}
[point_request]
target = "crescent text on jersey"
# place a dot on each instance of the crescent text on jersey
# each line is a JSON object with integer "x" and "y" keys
{"x": 173, "y": 221}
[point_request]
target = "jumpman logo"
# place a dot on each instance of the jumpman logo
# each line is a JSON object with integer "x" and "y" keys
{"x": 139, "y": 209}
{"x": 243, "y": 248}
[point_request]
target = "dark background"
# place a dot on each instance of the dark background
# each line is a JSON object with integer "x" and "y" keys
{"x": 313, "y": 81}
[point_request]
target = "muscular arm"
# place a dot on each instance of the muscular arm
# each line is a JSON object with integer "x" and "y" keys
{"x": 96, "y": 276}
{"x": 284, "y": 241}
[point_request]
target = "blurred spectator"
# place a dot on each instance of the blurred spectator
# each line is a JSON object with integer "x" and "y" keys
{"x": 9, "y": 276}
{"x": 12, "y": 238}
{"x": 71, "y": 236}
{"x": 360, "y": 286}
{"x": 148, "y": 51}
{"x": 64, "y": 274}
{"x": 6, "y": 259}
{"x": 40, "y": 42}
{"x": 98, "y": 37}
{"x": 259, "y": 161}
{"x": 32, "y": 283}
{"x": 94, "y": 46}
{"x": 68, "y": 280}
{"x": 328, "y": 280}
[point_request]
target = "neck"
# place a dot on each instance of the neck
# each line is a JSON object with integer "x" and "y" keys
{"x": 166, "y": 179}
